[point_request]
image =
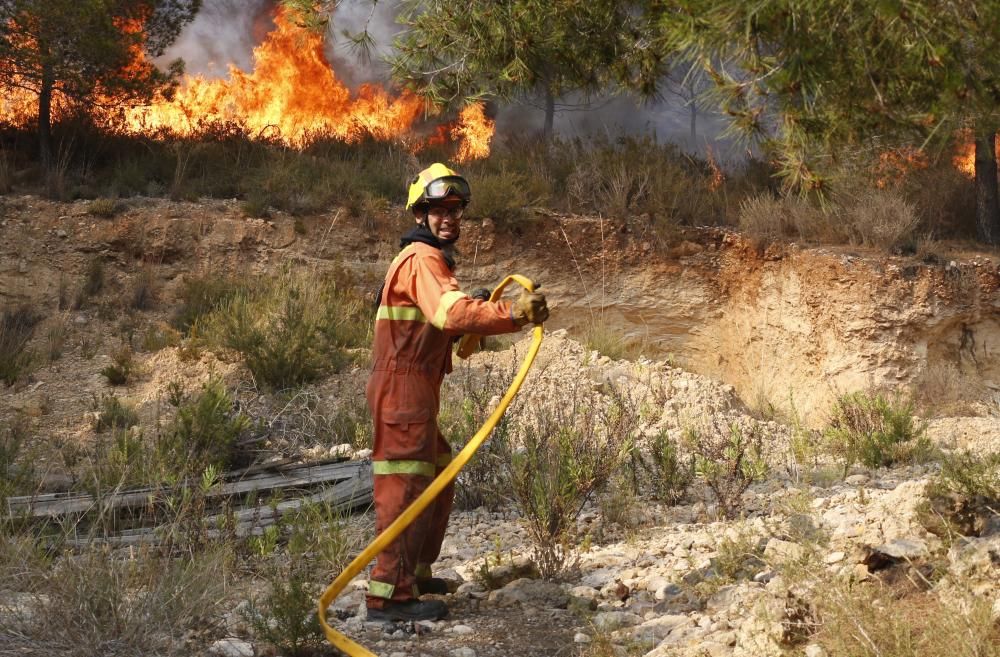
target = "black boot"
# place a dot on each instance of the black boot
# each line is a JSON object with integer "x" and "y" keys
{"x": 434, "y": 585}
{"x": 409, "y": 610}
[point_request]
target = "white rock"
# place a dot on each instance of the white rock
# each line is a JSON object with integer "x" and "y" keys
{"x": 463, "y": 652}
{"x": 834, "y": 557}
{"x": 607, "y": 621}
{"x": 857, "y": 480}
{"x": 462, "y": 630}
{"x": 904, "y": 548}
{"x": 778, "y": 550}
{"x": 580, "y": 637}
{"x": 231, "y": 647}
{"x": 341, "y": 451}
{"x": 815, "y": 650}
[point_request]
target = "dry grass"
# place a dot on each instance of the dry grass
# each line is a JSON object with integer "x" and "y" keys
{"x": 944, "y": 389}
{"x": 16, "y": 328}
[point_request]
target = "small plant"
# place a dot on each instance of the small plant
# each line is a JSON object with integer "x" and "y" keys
{"x": 16, "y": 329}
{"x": 201, "y": 295}
{"x": 15, "y": 470}
{"x": 300, "y": 226}
{"x": 964, "y": 499}
{"x": 93, "y": 280}
{"x": 122, "y": 368}
{"x": 292, "y": 328}
{"x": 144, "y": 290}
{"x": 568, "y": 453}
{"x": 286, "y": 616}
{"x": 599, "y": 336}
{"x": 160, "y": 336}
{"x": 175, "y": 394}
{"x": 56, "y": 337}
{"x": 875, "y": 430}
{"x": 669, "y": 472}
{"x": 203, "y": 433}
{"x": 112, "y": 414}
{"x": 728, "y": 459}
{"x": 105, "y": 208}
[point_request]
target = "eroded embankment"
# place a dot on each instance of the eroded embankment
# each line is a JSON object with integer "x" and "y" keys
{"x": 784, "y": 324}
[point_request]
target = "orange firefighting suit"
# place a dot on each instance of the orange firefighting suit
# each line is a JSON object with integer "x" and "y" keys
{"x": 421, "y": 311}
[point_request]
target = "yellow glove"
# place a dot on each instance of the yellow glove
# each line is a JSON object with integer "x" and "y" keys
{"x": 529, "y": 307}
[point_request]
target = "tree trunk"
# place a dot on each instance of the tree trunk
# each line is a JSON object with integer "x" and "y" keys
{"x": 987, "y": 199}
{"x": 550, "y": 113}
{"x": 45, "y": 117}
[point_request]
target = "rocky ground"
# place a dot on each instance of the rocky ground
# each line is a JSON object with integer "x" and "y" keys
{"x": 647, "y": 578}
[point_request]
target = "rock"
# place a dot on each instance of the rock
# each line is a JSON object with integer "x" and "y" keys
{"x": 814, "y": 650}
{"x": 462, "y": 630}
{"x": 904, "y": 548}
{"x": 779, "y": 551}
{"x": 834, "y": 557}
{"x": 608, "y": 621}
{"x": 62, "y": 233}
{"x": 580, "y": 637}
{"x": 533, "y": 592}
{"x": 361, "y": 454}
{"x": 341, "y": 451}
{"x": 80, "y": 320}
{"x": 231, "y": 648}
{"x": 857, "y": 480}
{"x": 463, "y": 652}
{"x": 471, "y": 590}
{"x": 657, "y": 629}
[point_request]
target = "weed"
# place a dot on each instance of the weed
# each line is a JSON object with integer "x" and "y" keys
{"x": 669, "y": 472}
{"x": 875, "y": 430}
{"x": 16, "y": 474}
{"x": 144, "y": 290}
{"x": 601, "y": 337}
{"x": 255, "y": 206}
{"x": 201, "y": 295}
{"x": 964, "y": 499}
{"x": 56, "y": 337}
{"x": 568, "y": 452}
{"x": 728, "y": 459}
{"x": 105, "y": 208}
{"x": 93, "y": 279}
{"x": 203, "y": 433}
{"x": 111, "y": 413}
{"x": 16, "y": 328}
{"x": 122, "y": 368}
{"x": 175, "y": 394}
{"x": 160, "y": 336}
{"x": 286, "y": 616}
{"x": 292, "y": 328}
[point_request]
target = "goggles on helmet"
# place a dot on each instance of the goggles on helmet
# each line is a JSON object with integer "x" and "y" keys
{"x": 440, "y": 188}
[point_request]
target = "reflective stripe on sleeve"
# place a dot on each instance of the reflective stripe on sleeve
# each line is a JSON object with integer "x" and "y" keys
{"x": 380, "y": 589}
{"x": 448, "y": 300}
{"x": 408, "y": 313}
{"x": 421, "y": 468}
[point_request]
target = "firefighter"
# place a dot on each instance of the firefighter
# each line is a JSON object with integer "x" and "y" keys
{"x": 420, "y": 312}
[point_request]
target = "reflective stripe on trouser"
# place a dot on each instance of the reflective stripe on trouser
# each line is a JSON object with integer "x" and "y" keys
{"x": 397, "y": 483}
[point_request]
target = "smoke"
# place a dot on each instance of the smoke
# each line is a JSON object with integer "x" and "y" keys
{"x": 225, "y": 32}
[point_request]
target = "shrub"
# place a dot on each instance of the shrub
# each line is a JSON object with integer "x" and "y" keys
{"x": 601, "y": 337}
{"x": 203, "y": 434}
{"x": 669, "y": 472}
{"x": 772, "y": 217}
{"x": 875, "y": 430}
{"x": 105, "y": 208}
{"x": 728, "y": 459}
{"x": 16, "y": 328}
{"x": 122, "y": 368}
{"x": 111, "y": 413}
{"x": 501, "y": 196}
{"x": 292, "y": 328}
{"x": 467, "y": 401}
{"x": 201, "y": 295}
{"x": 880, "y": 218}
{"x": 56, "y": 337}
{"x": 15, "y": 474}
{"x": 943, "y": 388}
{"x": 93, "y": 280}
{"x": 286, "y": 616}
{"x": 964, "y": 499}
{"x": 144, "y": 290}
{"x": 568, "y": 451}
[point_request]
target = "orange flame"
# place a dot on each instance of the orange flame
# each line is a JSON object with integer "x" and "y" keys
{"x": 474, "y": 132}
{"x": 715, "y": 182}
{"x": 964, "y": 158}
{"x": 894, "y": 164}
{"x": 292, "y": 95}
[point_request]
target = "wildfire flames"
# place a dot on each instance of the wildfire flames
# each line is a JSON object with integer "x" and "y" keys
{"x": 292, "y": 95}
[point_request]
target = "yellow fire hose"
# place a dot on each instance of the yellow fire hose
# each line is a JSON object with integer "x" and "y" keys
{"x": 466, "y": 346}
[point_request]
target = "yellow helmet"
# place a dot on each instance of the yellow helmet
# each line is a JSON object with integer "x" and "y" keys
{"x": 436, "y": 182}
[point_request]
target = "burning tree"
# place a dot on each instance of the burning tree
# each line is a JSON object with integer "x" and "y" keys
{"x": 71, "y": 53}
{"x": 814, "y": 78}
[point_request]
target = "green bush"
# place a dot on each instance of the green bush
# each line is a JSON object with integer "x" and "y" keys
{"x": 111, "y": 413}
{"x": 964, "y": 499}
{"x": 122, "y": 368}
{"x": 566, "y": 453}
{"x": 669, "y": 472}
{"x": 16, "y": 328}
{"x": 728, "y": 458}
{"x": 203, "y": 434}
{"x": 875, "y": 430}
{"x": 293, "y": 327}
{"x": 105, "y": 208}
{"x": 201, "y": 295}
{"x": 286, "y": 616}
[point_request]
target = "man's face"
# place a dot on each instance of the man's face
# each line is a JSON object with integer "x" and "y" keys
{"x": 444, "y": 218}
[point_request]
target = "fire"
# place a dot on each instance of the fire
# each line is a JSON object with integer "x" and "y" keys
{"x": 291, "y": 95}
{"x": 964, "y": 158}
{"x": 894, "y": 164}
{"x": 474, "y": 132}
{"x": 715, "y": 182}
